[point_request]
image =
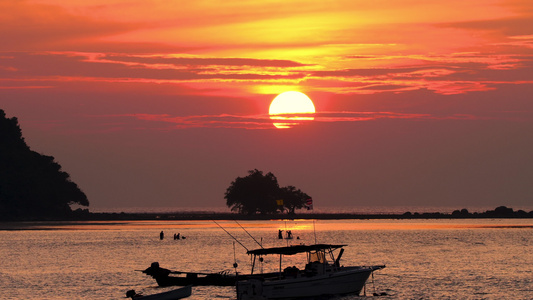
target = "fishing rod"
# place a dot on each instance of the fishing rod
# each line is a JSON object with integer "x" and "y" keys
{"x": 249, "y": 234}
{"x": 231, "y": 235}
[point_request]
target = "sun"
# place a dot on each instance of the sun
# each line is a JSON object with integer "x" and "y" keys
{"x": 291, "y": 108}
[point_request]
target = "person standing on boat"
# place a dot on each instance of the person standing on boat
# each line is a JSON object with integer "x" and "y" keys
{"x": 155, "y": 271}
{"x": 161, "y": 235}
{"x": 280, "y": 235}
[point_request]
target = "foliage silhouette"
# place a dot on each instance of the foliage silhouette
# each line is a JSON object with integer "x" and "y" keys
{"x": 32, "y": 185}
{"x": 259, "y": 193}
{"x": 293, "y": 198}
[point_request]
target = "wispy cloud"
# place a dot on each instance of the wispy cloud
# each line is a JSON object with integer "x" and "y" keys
{"x": 443, "y": 74}
{"x": 168, "y": 122}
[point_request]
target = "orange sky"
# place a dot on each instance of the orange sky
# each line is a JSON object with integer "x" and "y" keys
{"x": 419, "y": 103}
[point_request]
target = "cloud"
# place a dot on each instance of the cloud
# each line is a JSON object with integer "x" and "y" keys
{"x": 167, "y": 122}
{"x": 444, "y": 74}
{"x": 27, "y": 25}
{"x": 511, "y": 26}
{"x": 206, "y": 121}
{"x": 172, "y": 60}
{"x": 95, "y": 66}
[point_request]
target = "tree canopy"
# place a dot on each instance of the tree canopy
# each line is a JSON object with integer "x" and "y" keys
{"x": 261, "y": 193}
{"x": 32, "y": 185}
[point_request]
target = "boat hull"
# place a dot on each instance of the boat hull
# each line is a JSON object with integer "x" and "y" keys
{"x": 215, "y": 279}
{"x": 180, "y": 293}
{"x": 349, "y": 280}
{"x": 212, "y": 279}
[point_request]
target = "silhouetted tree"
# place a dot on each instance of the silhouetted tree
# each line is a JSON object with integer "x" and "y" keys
{"x": 293, "y": 198}
{"x": 503, "y": 211}
{"x": 463, "y": 213}
{"x": 32, "y": 185}
{"x": 253, "y": 193}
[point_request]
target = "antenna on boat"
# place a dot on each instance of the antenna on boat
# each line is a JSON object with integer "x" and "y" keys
{"x": 287, "y": 239}
{"x": 249, "y": 234}
{"x": 231, "y": 235}
{"x": 314, "y": 230}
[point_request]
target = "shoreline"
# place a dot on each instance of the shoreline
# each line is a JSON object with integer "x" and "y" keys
{"x": 399, "y": 221}
{"x": 199, "y": 216}
{"x": 500, "y": 212}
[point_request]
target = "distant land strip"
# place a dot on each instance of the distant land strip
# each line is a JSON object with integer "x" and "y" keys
{"x": 499, "y": 212}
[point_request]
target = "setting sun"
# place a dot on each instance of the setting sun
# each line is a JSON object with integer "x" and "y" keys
{"x": 290, "y": 108}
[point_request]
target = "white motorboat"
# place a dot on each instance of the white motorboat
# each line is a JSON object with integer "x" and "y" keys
{"x": 321, "y": 276}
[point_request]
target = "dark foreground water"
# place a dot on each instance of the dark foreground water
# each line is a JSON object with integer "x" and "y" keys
{"x": 434, "y": 259}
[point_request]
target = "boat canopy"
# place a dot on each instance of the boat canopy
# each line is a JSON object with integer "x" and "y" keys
{"x": 291, "y": 250}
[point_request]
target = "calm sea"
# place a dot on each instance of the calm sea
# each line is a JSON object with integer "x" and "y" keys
{"x": 433, "y": 259}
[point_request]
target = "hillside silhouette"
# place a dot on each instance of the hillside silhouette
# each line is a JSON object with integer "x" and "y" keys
{"x": 32, "y": 185}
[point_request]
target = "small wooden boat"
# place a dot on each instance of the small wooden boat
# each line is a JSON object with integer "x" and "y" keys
{"x": 165, "y": 277}
{"x": 195, "y": 279}
{"x": 180, "y": 293}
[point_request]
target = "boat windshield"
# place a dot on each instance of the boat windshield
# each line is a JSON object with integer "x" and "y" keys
{"x": 316, "y": 256}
